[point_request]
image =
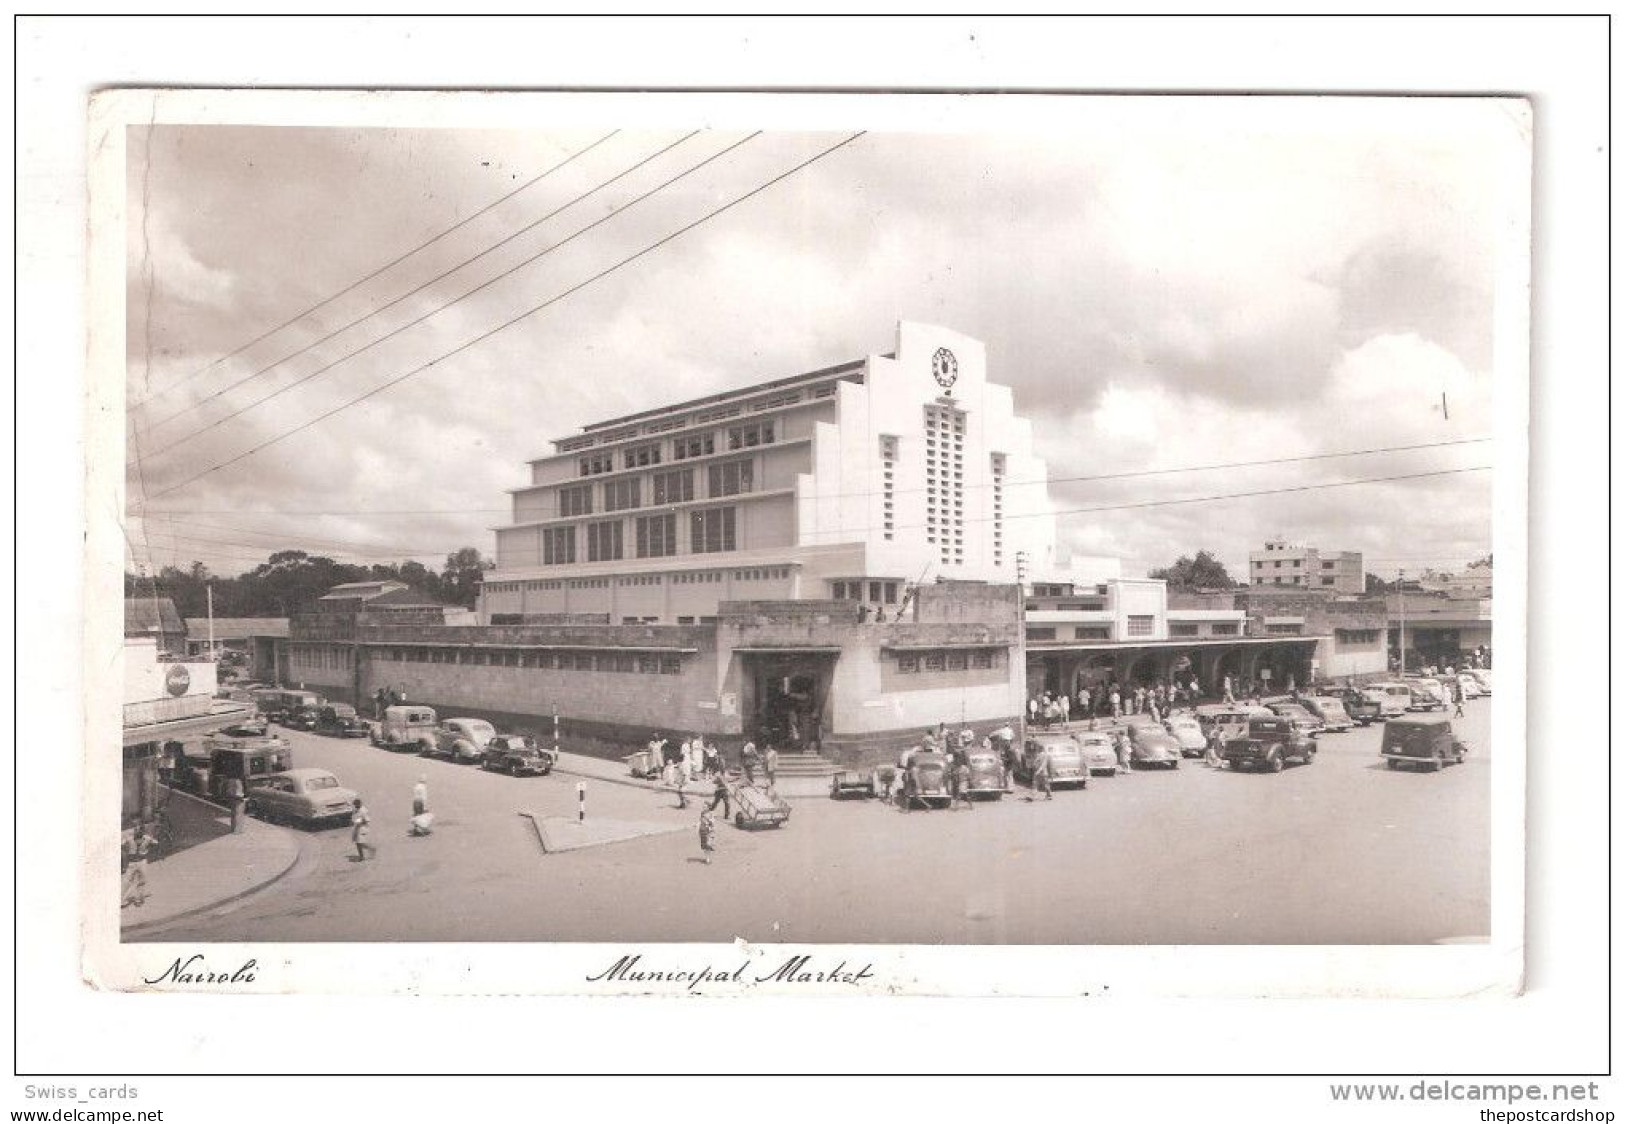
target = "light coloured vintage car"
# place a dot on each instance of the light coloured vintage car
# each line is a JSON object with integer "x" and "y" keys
{"x": 302, "y": 796}
{"x": 987, "y": 775}
{"x": 1333, "y": 717}
{"x": 1187, "y": 731}
{"x": 463, "y": 739}
{"x": 1099, "y": 749}
{"x": 1066, "y": 761}
{"x": 404, "y": 727}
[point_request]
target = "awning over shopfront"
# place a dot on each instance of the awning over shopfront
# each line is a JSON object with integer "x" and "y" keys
{"x": 482, "y": 645}
{"x": 984, "y": 646}
{"x": 179, "y": 729}
{"x": 789, "y": 650}
{"x": 1203, "y": 643}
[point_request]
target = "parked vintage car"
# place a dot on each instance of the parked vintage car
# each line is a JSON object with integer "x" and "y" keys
{"x": 1361, "y": 706}
{"x": 853, "y": 782}
{"x": 1394, "y": 698}
{"x": 518, "y": 755}
{"x": 337, "y": 720}
{"x": 1424, "y": 741}
{"x": 1427, "y": 693}
{"x": 1149, "y": 744}
{"x": 1231, "y": 721}
{"x": 1269, "y": 744}
{"x": 987, "y": 776}
{"x": 1481, "y": 675}
{"x": 925, "y": 781}
{"x": 224, "y": 759}
{"x": 1067, "y": 765}
{"x": 1469, "y": 686}
{"x": 1296, "y": 712}
{"x": 411, "y": 728}
{"x": 302, "y": 796}
{"x": 1187, "y": 731}
{"x": 1333, "y": 717}
{"x": 462, "y": 739}
{"x": 283, "y": 707}
{"x": 1099, "y": 749}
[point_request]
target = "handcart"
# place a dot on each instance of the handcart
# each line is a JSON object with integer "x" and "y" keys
{"x": 644, "y": 764}
{"x": 757, "y": 807}
{"x": 851, "y": 782}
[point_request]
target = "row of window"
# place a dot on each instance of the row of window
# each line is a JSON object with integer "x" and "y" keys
{"x": 711, "y": 531}
{"x": 756, "y": 574}
{"x": 689, "y": 446}
{"x": 646, "y": 663}
{"x": 913, "y": 663}
{"x": 320, "y": 656}
{"x": 720, "y": 413}
{"x": 731, "y": 478}
{"x": 1137, "y": 626}
{"x": 880, "y": 592}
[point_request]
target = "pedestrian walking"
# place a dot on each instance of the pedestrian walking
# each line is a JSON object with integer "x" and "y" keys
{"x": 1456, "y": 694}
{"x": 238, "y": 796}
{"x": 770, "y": 767}
{"x": 1125, "y": 754}
{"x": 1117, "y": 702}
{"x": 748, "y": 762}
{"x": 719, "y": 795}
{"x": 420, "y": 796}
{"x": 361, "y": 830}
{"x": 711, "y": 762}
{"x": 1032, "y": 711}
{"x": 1229, "y": 692}
{"x": 1041, "y": 777}
{"x": 1066, "y": 708}
{"x": 1212, "y": 758}
{"x": 708, "y": 836}
{"x": 682, "y": 797}
{"x": 962, "y": 784}
{"x": 135, "y": 868}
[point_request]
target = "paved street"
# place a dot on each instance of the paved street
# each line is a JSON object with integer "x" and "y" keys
{"x": 1341, "y": 851}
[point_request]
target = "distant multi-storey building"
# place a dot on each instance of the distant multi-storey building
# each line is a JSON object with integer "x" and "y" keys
{"x": 1306, "y": 567}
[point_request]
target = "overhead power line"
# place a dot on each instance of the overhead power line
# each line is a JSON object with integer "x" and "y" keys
{"x": 1093, "y": 478}
{"x": 354, "y": 285}
{"x": 215, "y": 423}
{"x": 516, "y": 319}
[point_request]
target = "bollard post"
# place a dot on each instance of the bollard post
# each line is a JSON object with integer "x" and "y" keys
{"x": 581, "y": 802}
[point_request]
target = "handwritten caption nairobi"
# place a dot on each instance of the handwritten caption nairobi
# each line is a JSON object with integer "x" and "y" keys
{"x": 795, "y": 970}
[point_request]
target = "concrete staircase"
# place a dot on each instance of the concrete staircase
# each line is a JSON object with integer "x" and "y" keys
{"x": 805, "y": 765}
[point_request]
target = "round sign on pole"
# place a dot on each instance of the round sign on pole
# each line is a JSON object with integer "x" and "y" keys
{"x": 177, "y": 680}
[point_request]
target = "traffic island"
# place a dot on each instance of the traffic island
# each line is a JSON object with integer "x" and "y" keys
{"x": 562, "y": 833}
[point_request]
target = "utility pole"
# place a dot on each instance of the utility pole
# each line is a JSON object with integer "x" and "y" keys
{"x": 1402, "y": 622}
{"x": 209, "y": 590}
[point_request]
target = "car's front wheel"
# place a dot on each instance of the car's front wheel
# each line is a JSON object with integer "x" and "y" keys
{"x": 1276, "y": 762}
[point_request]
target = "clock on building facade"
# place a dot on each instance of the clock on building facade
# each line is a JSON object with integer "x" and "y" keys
{"x": 944, "y": 368}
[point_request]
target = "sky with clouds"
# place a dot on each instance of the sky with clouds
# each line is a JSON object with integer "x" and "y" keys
{"x": 1165, "y": 283}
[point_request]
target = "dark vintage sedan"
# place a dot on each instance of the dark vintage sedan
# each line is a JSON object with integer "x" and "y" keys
{"x": 1334, "y": 718}
{"x": 302, "y": 718}
{"x": 518, "y": 755}
{"x": 925, "y": 782}
{"x": 1270, "y": 743}
{"x": 987, "y": 776}
{"x": 340, "y": 721}
{"x": 1422, "y": 741}
{"x": 1298, "y": 713}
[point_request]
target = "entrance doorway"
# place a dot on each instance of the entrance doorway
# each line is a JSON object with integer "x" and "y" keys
{"x": 786, "y": 698}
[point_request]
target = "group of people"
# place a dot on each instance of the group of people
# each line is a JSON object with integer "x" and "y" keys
{"x": 1114, "y": 700}
{"x": 384, "y": 698}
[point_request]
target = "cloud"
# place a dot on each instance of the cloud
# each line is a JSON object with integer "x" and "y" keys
{"x": 1172, "y": 285}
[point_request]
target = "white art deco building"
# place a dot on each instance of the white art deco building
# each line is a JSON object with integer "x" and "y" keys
{"x": 850, "y": 482}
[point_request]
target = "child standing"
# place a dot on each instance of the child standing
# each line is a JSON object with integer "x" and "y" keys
{"x": 708, "y": 835}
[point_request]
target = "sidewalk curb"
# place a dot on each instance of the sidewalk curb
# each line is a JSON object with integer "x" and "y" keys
{"x": 695, "y": 791}
{"x": 138, "y": 930}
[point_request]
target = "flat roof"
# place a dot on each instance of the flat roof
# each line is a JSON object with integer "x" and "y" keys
{"x": 721, "y": 396}
{"x": 1193, "y": 642}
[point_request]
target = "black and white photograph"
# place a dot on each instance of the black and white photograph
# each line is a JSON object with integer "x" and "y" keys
{"x": 1066, "y": 524}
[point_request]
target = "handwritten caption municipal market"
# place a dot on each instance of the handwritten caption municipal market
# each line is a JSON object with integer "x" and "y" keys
{"x": 795, "y": 970}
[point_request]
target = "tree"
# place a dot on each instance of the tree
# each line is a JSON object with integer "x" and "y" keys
{"x": 1374, "y": 584}
{"x": 1202, "y": 572}
{"x": 460, "y": 580}
{"x": 1485, "y": 563}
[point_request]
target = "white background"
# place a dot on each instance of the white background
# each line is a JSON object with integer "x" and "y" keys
{"x": 1559, "y": 1026}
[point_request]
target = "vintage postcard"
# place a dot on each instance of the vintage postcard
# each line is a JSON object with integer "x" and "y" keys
{"x": 807, "y": 544}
